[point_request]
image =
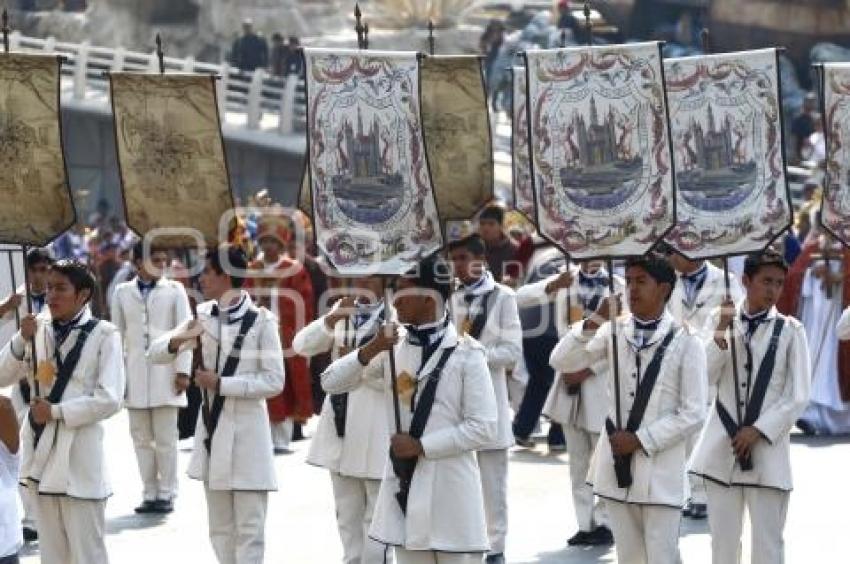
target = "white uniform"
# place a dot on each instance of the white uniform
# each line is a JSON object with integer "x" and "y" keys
{"x": 356, "y": 460}
{"x": 68, "y": 466}
{"x": 151, "y": 399}
{"x": 842, "y": 331}
{"x": 765, "y": 489}
{"x": 239, "y": 471}
{"x": 445, "y": 510}
{"x": 694, "y": 311}
{"x": 501, "y": 336}
{"x": 581, "y": 414}
{"x": 645, "y": 516}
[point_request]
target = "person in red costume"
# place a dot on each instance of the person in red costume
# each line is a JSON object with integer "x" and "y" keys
{"x": 282, "y": 284}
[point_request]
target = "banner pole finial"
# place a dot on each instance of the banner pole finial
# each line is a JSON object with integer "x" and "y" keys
{"x": 588, "y": 25}
{"x": 159, "y": 54}
{"x": 705, "y": 40}
{"x": 358, "y": 25}
{"x": 431, "y": 40}
{"x": 6, "y": 31}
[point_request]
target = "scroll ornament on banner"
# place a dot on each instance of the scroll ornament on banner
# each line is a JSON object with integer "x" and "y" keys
{"x": 835, "y": 206}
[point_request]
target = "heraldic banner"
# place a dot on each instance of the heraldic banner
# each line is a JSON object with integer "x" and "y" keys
{"x": 523, "y": 191}
{"x": 456, "y": 123}
{"x": 835, "y": 206}
{"x": 600, "y": 148}
{"x": 37, "y": 204}
{"x": 171, "y": 157}
{"x": 373, "y": 202}
{"x": 726, "y": 124}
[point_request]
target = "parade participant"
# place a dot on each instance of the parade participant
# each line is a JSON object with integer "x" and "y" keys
{"x": 283, "y": 286}
{"x": 81, "y": 377}
{"x": 662, "y": 399}
{"x": 747, "y": 461}
{"x": 501, "y": 249}
{"x": 448, "y": 409}
{"x": 353, "y": 432}
{"x": 11, "y": 538}
{"x": 487, "y": 311}
{"x": 242, "y": 367}
{"x": 578, "y": 400}
{"x": 37, "y": 263}
{"x": 143, "y": 309}
{"x": 701, "y": 290}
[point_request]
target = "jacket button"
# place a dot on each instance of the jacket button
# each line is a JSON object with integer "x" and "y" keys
{"x": 743, "y": 384}
{"x": 634, "y": 375}
{"x": 632, "y": 394}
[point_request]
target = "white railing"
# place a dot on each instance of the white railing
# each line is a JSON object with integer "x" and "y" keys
{"x": 257, "y": 95}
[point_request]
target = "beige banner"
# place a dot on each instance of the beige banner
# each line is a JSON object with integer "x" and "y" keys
{"x": 171, "y": 156}
{"x": 457, "y": 135}
{"x": 37, "y": 205}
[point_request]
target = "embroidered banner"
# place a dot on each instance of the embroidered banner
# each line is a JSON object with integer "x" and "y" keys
{"x": 835, "y": 205}
{"x": 522, "y": 189}
{"x": 601, "y": 156}
{"x": 456, "y": 123}
{"x": 373, "y": 201}
{"x": 37, "y": 203}
{"x": 171, "y": 156}
{"x": 726, "y": 125}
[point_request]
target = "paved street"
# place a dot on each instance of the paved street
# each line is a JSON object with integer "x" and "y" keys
{"x": 301, "y": 525}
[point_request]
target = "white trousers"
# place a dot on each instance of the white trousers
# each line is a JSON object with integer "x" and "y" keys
{"x": 403, "y": 556}
{"x": 493, "y": 465}
{"x": 590, "y": 513}
{"x": 71, "y": 531}
{"x": 355, "y": 504}
{"x": 767, "y": 508}
{"x": 645, "y": 534}
{"x": 29, "y": 501}
{"x": 154, "y": 433}
{"x": 282, "y": 433}
{"x": 696, "y": 483}
{"x": 237, "y": 522}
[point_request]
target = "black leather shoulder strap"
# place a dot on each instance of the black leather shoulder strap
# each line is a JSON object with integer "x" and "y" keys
{"x": 422, "y": 411}
{"x": 480, "y": 320}
{"x": 764, "y": 374}
{"x": 647, "y": 382}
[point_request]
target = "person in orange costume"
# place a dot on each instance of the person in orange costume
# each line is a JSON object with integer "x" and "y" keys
{"x": 282, "y": 285}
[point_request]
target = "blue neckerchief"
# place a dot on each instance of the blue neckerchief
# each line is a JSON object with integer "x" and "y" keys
{"x": 145, "y": 287}
{"x": 428, "y": 337}
{"x": 692, "y": 284}
{"x": 753, "y": 322}
{"x": 38, "y": 301}
{"x": 61, "y": 330}
{"x": 364, "y": 314}
{"x": 228, "y": 311}
{"x": 644, "y": 330}
{"x": 592, "y": 288}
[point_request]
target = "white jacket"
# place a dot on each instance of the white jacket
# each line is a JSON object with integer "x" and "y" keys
{"x": 445, "y": 506}
{"x": 588, "y": 409}
{"x": 241, "y": 457}
{"x": 709, "y": 298}
{"x": 69, "y": 459}
{"x": 676, "y": 407}
{"x": 785, "y": 400}
{"x": 362, "y": 452}
{"x": 843, "y": 328}
{"x": 141, "y": 321}
{"x": 502, "y": 340}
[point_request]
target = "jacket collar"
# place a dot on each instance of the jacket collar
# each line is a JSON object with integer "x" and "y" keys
{"x": 665, "y": 322}
{"x": 481, "y": 286}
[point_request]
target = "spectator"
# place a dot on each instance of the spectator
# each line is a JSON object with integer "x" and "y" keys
{"x": 250, "y": 51}
{"x": 501, "y": 249}
{"x": 803, "y": 125}
{"x": 279, "y": 57}
{"x": 10, "y": 530}
{"x": 295, "y": 62}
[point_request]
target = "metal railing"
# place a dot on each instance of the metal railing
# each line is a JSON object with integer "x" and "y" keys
{"x": 258, "y": 95}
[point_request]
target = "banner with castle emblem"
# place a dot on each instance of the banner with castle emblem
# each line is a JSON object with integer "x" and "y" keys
{"x": 373, "y": 202}
{"x": 523, "y": 191}
{"x": 37, "y": 204}
{"x": 726, "y": 125}
{"x": 600, "y": 148}
{"x": 171, "y": 157}
{"x": 835, "y": 205}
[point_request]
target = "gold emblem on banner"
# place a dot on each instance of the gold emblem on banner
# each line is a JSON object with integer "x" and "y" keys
{"x": 45, "y": 373}
{"x": 466, "y": 326}
{"x": 405, "y": 385}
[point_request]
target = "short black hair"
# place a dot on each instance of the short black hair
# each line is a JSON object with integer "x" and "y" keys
{"x": 225, "y": 257}
{"x": 38, "y": 256}
{"x": 80, "y": 276}
{"x": 432, "y": 273}
{"x": 472, "y": 243}
{"x": 756, "y": 261}
{"x": 658, "y": 268}
{"x": 494, "y": 212}
{"x": 138, "y": 251}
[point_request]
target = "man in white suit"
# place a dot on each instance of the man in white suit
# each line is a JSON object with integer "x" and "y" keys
{"x": 80, "y": 379}
{"x": 744, "y": 452}
{"x": 143, "y": 309}
{"x": 487, "y": 311}
{"x": 242, "y": 366}
{"x": 640, "y": 468}
{"x": 700, "y": 290}
{"x": 353, "y": 432}
{"x": 430, "y": 506}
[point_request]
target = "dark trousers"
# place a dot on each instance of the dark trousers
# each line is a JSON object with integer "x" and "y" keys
{"x": 13, "y": 559}
{"x": 536, "y": 351}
